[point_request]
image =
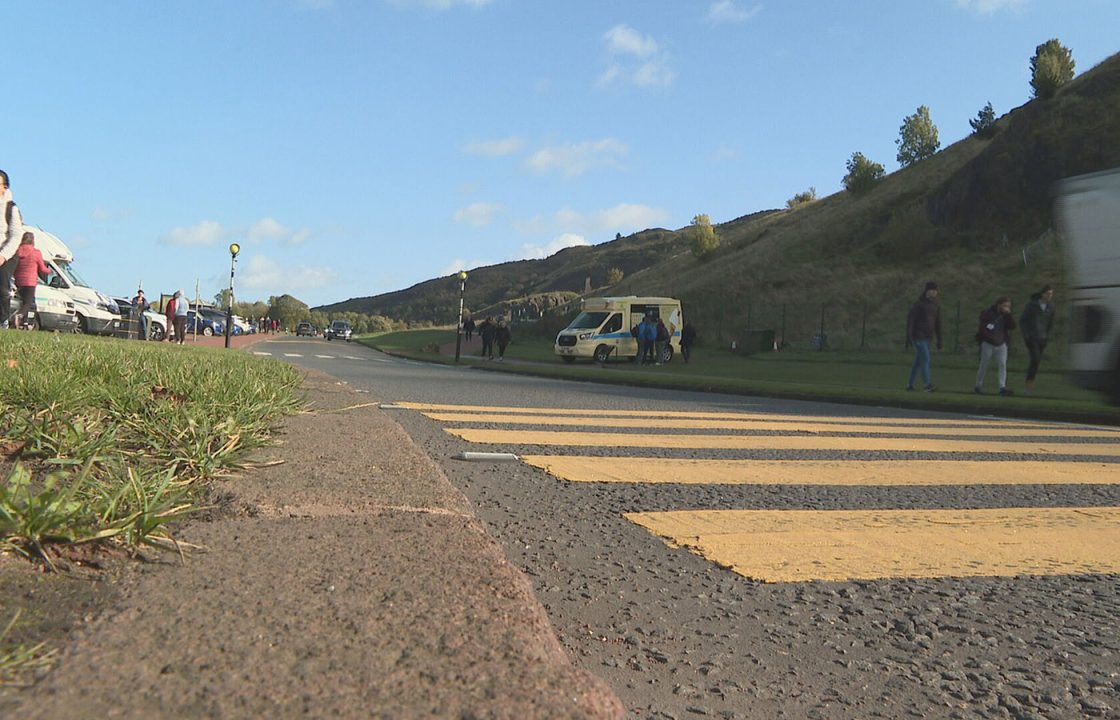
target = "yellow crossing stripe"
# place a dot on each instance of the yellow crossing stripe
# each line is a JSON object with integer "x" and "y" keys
{"x": 895, "y": 428}
{"x": 804, "y": 545}
{"x": 822, "y": 472}
{"x": 778, "y": 442}
{"x": 772, "y": 417}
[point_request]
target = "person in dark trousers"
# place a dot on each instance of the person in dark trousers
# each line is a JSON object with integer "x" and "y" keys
{"x": 502, "y": 336}
{"x": 647, "y": 336}
{"x": 662, "y": 337}
{"x": 11, "y": 236}
{"x": 486, "y": 331}
{"x": 140, "y": 305}
{"x": 29, "y": 268}
{"x": 468, "y": 328}
{"x": 1036, "y": 322}
{"x": 923, "y": 326}
{"x": 688, "y": 337}
{"x": 994, "y": 335}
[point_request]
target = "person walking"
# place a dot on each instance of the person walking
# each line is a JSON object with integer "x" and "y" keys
{"x": 994, "y": 332}
{"x": 169, "y": 316}
{"x": 1036, "y": 322}
{"x": 140, "y": 305}
{"x": 688, "y": 337}
{"x": 29, "y": 266}
{"x": 502, "y": 336}
{"x": 468, "y": 328}
{"x": 486, "y": 331}
{"x": 181, "y": 306}
{"x": 923, "y": 326}
{"x": 11, "y": 237}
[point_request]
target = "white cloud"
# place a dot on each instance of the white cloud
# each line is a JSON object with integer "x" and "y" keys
{"x": 478, "y": 214}
{"x": 625, "y": 40}
{"x": 459, "y": 264}
{"x": 623, "y": 218}
{"x": 574, "y": 159}
{"x": 206, "y": 232}
{"x": 495, "y": 148}
{"x": 268, "y": 229}
{"x": 531, "y": 251}
{"x": 261, "y": 273}
{"x": 729, "y": 11}
{"x": 440, "y": 4}
{"x": 988, "y": 7}
{"x": 639, "y": 59}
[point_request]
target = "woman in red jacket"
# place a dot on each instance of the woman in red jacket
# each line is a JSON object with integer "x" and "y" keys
{"x": 29, "y": 266}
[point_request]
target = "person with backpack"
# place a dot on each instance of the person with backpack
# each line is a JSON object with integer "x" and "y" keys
{"x": 661, "y": 337}
{"x": 647, "y": 336}
{"x": 993, "y": 334}
{"x": 1036, "y": 322}
{"x": 11, "y": 236}
{"x": 29, "y": 267}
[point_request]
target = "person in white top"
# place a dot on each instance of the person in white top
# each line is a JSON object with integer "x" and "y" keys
{"x": 11, "y": 233}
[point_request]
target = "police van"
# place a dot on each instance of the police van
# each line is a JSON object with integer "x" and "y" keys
{"x": 605, "y": 328}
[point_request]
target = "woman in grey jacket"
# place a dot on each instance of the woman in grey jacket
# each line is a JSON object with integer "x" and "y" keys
{"x": 1035, "y": 323}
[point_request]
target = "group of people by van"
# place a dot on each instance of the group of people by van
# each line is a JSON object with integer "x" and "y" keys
{"x": 993, "y": 336}
{"x": 492, "y": 333}
{"x": 20, "y": 261}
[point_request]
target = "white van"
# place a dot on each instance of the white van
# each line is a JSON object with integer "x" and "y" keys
{"x": 97, "y": 314}
{"x": 1088, "y": 213}
{"x": 605, "y": 327}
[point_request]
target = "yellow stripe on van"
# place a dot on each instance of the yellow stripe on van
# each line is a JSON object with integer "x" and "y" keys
{"x": 778, "y": 442}
{"x": 836, "y": 545}
{"x": 823, "y": 472}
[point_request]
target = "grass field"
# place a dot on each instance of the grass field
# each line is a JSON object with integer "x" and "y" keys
{"x": 877, "y": 378}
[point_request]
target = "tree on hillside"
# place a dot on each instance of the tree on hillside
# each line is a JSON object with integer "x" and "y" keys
{"x": 985, "y": 123}
{"x": 917, "y": 138}
{"x": 863, "y": 174}
{"x": 702, "y": 237}
{"x": 1051, "y": 67}
{"x": 287, "y": 310}
{"x": 614, "y": 276}
{"x": 802, "y": 198}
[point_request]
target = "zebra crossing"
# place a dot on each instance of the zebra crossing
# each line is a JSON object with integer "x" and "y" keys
{"x": 777, "y": 449}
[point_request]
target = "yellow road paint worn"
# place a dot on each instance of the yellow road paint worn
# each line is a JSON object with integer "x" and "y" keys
{"x": 835, "y": 545}
{"x": 823, "y": 472}
{"x": 777, "y": 442}
{"x": 773, "y": 417}
{"x": 901, "y": 427}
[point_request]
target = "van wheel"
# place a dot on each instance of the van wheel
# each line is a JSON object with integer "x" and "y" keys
{"x": 568, "y": 359}
{"x": 666, "y": 354}
{"x": 602, "y": 353}
{"x": 82, "y": 326}
{"x": 155, "y": 332}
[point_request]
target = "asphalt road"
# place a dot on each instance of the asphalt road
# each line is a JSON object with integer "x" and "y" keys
{"x": 680, "y": 635}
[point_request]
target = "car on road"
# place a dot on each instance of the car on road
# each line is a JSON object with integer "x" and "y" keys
{"x": 339, "y": 329}
{"x": 305, "y": 328}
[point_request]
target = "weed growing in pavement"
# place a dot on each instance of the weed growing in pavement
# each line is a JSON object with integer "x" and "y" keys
{"x": 17, "y": 658}
{"x": 109, "y": 439}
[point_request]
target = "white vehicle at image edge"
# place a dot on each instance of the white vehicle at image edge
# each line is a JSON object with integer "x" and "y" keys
{"x": 54, "y": 311}
{"x": 97, "y": 314}
{"x": 1087, "y": 208}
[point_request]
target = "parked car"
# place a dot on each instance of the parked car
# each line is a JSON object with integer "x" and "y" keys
{"x": 218, "y": 317}
{"x": 305, "y": 328}
{"x": 203, "y": 325}
{"x": 244, "y": 325}
{"x": 339, "y": 329}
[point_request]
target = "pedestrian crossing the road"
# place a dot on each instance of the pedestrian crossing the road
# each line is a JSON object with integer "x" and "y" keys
{"x": 801, "y": 545}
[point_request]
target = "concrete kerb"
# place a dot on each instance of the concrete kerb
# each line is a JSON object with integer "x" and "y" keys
{"x": 354, "y": 581}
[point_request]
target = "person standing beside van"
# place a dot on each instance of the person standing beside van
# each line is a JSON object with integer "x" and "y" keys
{"x": 994, "y": 333}
{"x": 923, "y": 325}
{"x": 181, "y": 307}
{"x": 11, "y": 236}
{"x": 647, "y": 336}
{"x": 1036, "y": 323}
{"x": 688, "y": 337}
{"x": 29, "y": 266}
{"x": 661, "y": 337}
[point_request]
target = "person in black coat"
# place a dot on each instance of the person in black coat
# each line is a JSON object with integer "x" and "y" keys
{"x": 688, "y": 337}
{"x": 486, "y": 331}
{"x": 1036, "y": 322}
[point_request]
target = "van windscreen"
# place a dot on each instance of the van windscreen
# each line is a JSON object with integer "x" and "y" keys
{"x": 588, "y": 321}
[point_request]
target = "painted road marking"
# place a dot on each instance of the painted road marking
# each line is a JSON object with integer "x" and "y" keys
{"x": 823, "y": 472}
{"x": 292, "y": 355}
{"x": 901, "y": 427}
{"x": 778, "y": 442}
{"x": 594, "y": 414}
{"x": 258, "y": 352}
{"x": 325, "y": 357}
{"x": 836, "y": 545}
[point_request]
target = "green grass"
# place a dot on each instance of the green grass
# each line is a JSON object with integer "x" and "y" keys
{"x": 875, "y": 378}
{"x": 103, "y": 440}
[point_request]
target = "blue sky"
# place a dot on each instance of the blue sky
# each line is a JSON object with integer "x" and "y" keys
{"x": 355, "y": 147}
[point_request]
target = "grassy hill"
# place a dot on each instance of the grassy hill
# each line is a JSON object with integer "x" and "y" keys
{"x": 976, "y": 217}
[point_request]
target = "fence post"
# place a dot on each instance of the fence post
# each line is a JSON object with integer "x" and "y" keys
{"x": 782, "y": 343}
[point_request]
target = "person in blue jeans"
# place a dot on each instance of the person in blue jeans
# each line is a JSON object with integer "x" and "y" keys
{"x": 923, "y": 326}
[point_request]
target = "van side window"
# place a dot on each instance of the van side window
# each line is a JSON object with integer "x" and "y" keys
{"x": 614, "y": 324}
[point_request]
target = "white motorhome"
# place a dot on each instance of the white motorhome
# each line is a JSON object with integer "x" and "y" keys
{"x": 604, "y": 328}
{"x": 97, "y": 314}
{"x": 1088, "y": 213}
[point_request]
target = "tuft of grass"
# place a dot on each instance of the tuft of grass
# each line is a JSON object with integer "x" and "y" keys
{"x": 17, "y": 659}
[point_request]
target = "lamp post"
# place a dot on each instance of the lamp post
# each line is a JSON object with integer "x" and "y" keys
{"x": 459, "y": 329}
{"x": 234, "y": 248}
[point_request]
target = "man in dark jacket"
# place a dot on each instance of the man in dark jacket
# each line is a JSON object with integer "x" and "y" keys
{"x": 1036, "y": 322}
{"x": 486, "y": 331}
{"x": 994, "y": 334}
{"x": 923, "y": 325}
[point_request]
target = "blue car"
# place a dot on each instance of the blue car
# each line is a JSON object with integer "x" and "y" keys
{"x": 203, "y": 325}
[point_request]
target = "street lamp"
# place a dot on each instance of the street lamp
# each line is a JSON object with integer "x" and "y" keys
{"x": 459, "y": 330}
{"x": 234, "y": 248}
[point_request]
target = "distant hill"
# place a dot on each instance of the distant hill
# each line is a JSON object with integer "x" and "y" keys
{"x": 976, "y": 217}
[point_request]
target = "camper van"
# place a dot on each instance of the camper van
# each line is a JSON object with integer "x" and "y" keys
{"x": 97, "y": 314}
{"x": 604, "y": 328}
{"x": 1087, "y": 208}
